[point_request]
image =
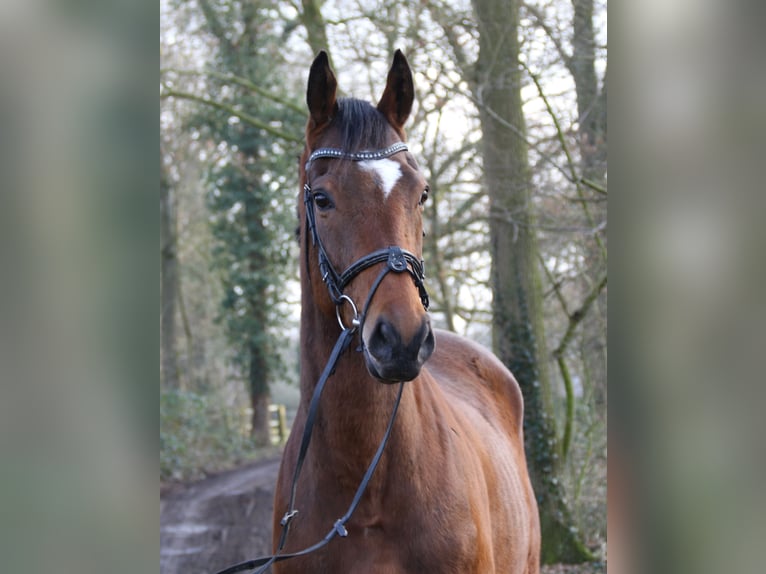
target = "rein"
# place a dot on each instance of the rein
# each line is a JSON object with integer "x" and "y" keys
{"x": 397, "y": 260}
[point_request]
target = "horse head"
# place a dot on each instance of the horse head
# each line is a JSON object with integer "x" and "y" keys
{"x": 362, "y": 209}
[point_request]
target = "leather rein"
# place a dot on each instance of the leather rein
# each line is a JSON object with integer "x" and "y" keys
{"x": 397, "y": 260}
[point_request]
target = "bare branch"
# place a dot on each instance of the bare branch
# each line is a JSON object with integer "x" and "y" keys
{"x": 574, "y": 320}
{"x": 593, "y": 185}
{"x": 540, "y": 21}
{"x": 253, "y": 121}
{"x": 556, "y": 285}
{"x": 240, "y": 81}
{"x": 447, "y": 23}
{"x": 574, "y": 177}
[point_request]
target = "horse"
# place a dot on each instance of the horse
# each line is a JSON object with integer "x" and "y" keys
{"x": 451, "y": 491}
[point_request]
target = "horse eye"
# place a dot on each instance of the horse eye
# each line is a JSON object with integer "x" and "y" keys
{"x": 424, "y": 196}
{"x": 322, "y": 201}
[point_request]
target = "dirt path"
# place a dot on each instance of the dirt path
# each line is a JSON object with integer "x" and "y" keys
{"x": 211, "y": 524}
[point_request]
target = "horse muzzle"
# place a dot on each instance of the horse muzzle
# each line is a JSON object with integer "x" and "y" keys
{"x": 392, "y": 359}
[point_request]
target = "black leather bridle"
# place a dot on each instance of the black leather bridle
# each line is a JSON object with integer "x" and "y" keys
{"x": 397, "y": 260}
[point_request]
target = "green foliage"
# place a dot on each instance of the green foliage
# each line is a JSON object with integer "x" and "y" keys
{"x": 252, "y": 254}
{"x": 200, "y": 433}
{"x": 251, "y": 187}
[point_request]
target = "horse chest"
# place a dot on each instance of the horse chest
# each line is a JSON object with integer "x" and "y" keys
{"x": 402, "y": 550}
{"x": 414, "y": 538}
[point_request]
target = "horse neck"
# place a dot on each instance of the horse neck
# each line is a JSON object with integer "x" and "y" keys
{"x": 355, "y": 408}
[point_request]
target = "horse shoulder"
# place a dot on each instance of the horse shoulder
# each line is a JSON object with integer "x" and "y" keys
{"x": 473, "y": 374}
{"x": 486, "y": 397}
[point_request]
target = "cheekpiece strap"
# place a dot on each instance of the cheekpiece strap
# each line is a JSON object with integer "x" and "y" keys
{"x": 357, "y": 155}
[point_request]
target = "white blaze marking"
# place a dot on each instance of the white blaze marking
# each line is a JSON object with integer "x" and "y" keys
{"x": 387, "y": 170}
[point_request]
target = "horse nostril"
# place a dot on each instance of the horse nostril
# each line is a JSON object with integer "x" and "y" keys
{"x": 386, "y": 342}
{"x": 427, "y": 344}
{"x": 385, "y": 338}
{"x": 387, "y": 332}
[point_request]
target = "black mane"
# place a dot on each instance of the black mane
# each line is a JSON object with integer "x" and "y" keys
{"x": 362, "y": 126}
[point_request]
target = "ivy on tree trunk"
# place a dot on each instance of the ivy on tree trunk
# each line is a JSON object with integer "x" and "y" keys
{"x": 518, "y": 334}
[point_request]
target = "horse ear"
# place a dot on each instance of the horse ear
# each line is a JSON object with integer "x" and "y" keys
{"x": 320, "y": 94}
{"x": 396, "y": 102}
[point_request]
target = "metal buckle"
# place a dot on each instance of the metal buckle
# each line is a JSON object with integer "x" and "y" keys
{"x": 339, "y": 528}
{"x": 287, "y": 518}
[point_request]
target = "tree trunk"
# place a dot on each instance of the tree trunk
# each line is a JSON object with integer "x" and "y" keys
{"x": 260, "y": 372}
{"x": 592, "y": 139}
{"x": 168, "y": 283}
{"x": 591, "y": 102}
{"x": 312, "y": 20}
{"x": 259, "y": 397}
{"x": 517, "y": 329}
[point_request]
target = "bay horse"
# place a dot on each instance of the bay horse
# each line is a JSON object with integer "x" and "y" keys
{"x": 451, "y": 492}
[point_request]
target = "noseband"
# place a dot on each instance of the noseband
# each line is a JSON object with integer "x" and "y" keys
{"x": 397, "y": 260}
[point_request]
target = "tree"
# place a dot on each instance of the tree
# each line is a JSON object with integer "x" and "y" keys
{"x": 316, "y": 30}
{"x": 575, "y": 263}
{"x": 518, "y": 333}
{"x": 592, "y": 143}
{"x": 591, "y": 100}
{"x": 252, "y": 218}
{"x": 168, "y": 280}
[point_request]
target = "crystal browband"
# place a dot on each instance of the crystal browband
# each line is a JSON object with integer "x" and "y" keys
{"x": 356, "y": 156}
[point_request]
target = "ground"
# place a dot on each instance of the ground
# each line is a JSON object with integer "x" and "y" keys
{"x": 208, "y": 525}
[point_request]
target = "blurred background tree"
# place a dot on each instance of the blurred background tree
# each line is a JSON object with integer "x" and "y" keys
{"x": 515, "y": 152}
{"x": 250, "y": 205}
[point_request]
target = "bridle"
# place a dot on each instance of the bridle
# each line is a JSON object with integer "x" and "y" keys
{"x": 397, "y": 260}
